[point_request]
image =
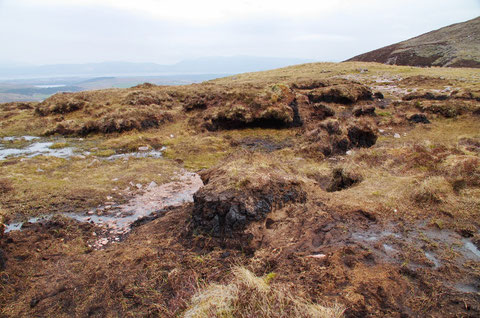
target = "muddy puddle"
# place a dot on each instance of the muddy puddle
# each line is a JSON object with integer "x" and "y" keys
{"x": 17, "y": 226}
{"x": 31, "y": 146}
{"x": 34, "y": 148}
{"x": 115, "y": 221}
{"x": 430, "y": 246}
{"x": 140, "y": 154}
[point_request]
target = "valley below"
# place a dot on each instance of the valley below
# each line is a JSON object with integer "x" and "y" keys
{"x": 318, "y": 190}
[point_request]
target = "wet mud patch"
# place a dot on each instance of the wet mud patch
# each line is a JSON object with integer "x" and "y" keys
{"x": 31, "y": 146}
{"x": 361, "y": 239}
{"x": 114, "y": 222}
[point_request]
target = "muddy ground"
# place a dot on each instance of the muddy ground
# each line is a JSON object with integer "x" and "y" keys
{"x": 349, "y": 188}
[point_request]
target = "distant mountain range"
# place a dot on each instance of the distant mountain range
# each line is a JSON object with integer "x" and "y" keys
{"x": 207, "y": 65}
{"x": 457, "y": 45}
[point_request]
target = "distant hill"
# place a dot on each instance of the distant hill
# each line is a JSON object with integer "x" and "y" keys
{"x": 206, "y": 65}
{"x": 457, "y": 45}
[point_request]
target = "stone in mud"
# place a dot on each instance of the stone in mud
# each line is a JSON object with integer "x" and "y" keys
{"x": 225, "y": 206}
{"x": 152, "y": 185}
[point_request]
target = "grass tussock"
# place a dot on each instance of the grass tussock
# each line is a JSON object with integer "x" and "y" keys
{"x": 432, "y": 190}
{"x": 250, "y": 296}
{"x": 462, "y": 171}
{"x": 5, "y": 186}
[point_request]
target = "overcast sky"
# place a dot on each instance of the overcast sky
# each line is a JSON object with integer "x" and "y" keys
{"x": 80, "y": 31}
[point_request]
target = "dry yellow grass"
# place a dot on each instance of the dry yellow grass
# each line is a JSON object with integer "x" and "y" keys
{"x": 247, "y": 295}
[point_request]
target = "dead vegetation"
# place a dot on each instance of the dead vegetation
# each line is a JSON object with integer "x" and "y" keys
{"x": 325, "y": 193}
{"x": 249, "y": 296}
{"x": 116, "y": 122}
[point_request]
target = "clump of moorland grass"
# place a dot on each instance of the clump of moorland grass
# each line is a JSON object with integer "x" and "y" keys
{"x": 250, "y": 296}
{"x": 139, "y": 119}
{"x": 342, "y": 94}
{"x": 144, "y": 98}
{"x": 335, "y": 137}
{"x": 5, "y": 186}
{"x": 432, "y": 190}
{"x": 462, "y": 171}
{"x": 61, "y": 104}
{"x": 59, "y": 145}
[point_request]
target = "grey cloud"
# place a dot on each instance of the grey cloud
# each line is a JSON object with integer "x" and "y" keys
{"x": 97, "y": 33}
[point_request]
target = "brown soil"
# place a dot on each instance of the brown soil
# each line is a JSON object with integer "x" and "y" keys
{"x": 347, "y": 201}
{"x": 158, "y": 267}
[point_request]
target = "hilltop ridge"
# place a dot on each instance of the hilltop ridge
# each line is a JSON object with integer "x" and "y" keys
{"x": 457, "y": 45}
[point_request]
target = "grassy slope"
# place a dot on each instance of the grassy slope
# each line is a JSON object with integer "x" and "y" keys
{"x": 448, "y": 46}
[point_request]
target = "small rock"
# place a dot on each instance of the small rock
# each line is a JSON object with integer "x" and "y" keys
{"x": 381, "y": 131}
{"x": 349, "y": 152}
{"x": 152, "y": 185}
{"x": 115, "y": 179}
{"x": 317, "y": 256}
{"x": 143, "y": 148}
{"x": 91, "y": 212}
{"x": 172, "y": 136}
{"x": 132, "y": 184}
{"x": 138, "y": 185}
{"x": 396, "y": 135}
{"x": 109, "y": 198}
